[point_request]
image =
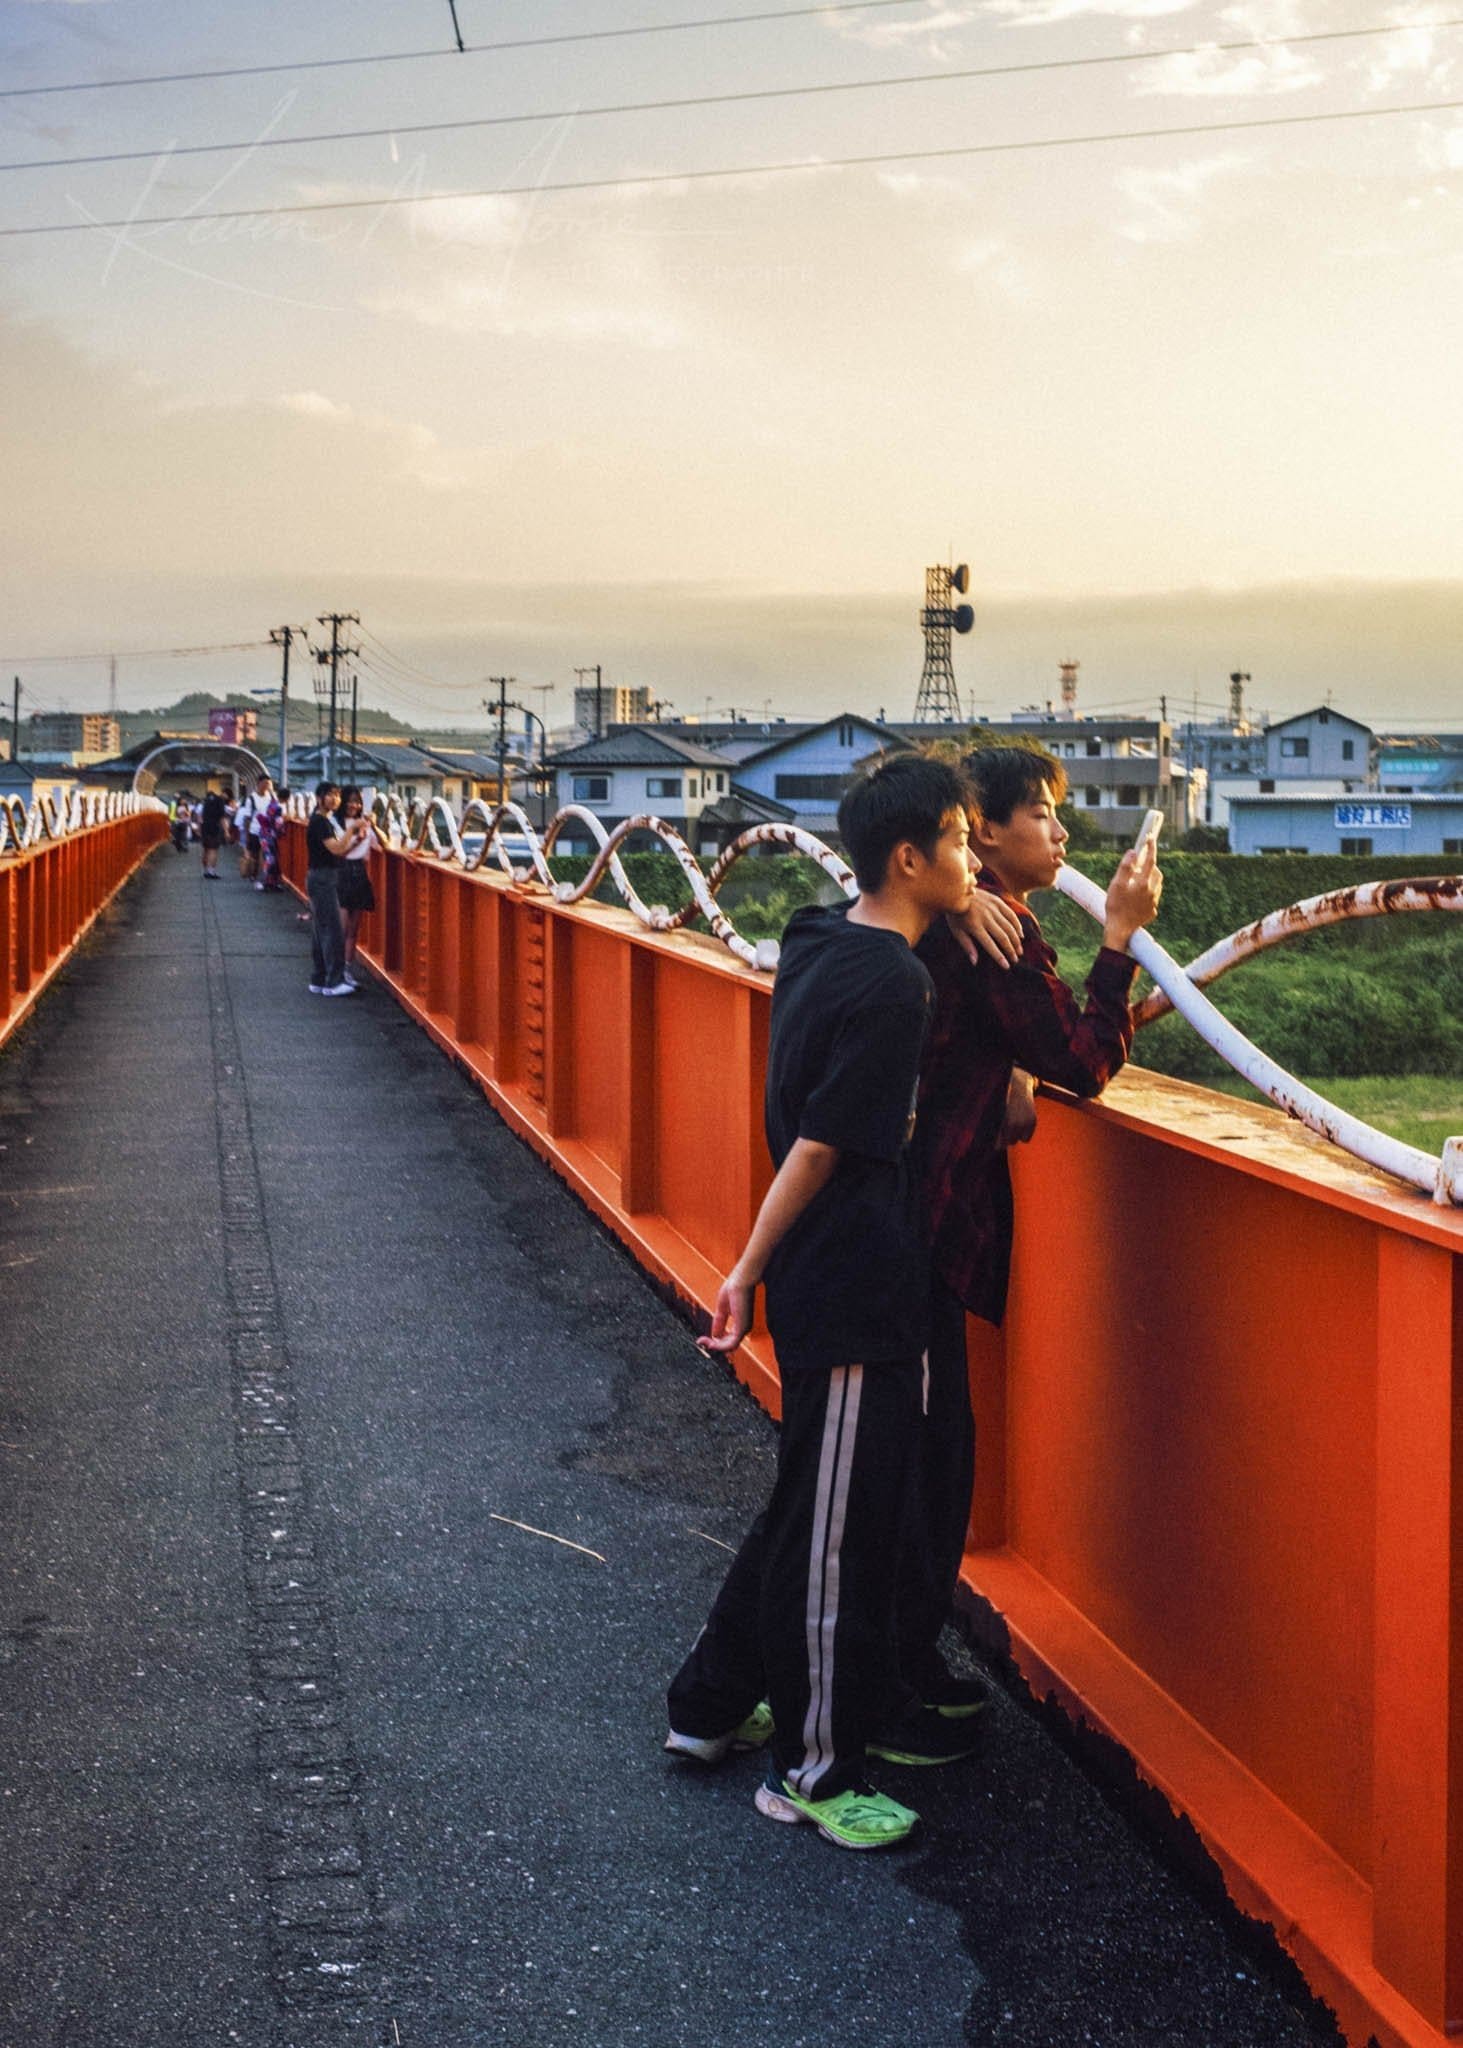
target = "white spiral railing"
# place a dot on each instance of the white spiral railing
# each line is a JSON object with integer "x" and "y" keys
{"x": 24, "y": 825}
{"x": 1442, "y": 1177}
{"x": 431, "y": 829}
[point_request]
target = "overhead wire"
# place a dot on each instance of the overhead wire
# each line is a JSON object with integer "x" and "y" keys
{"x": 641, "y": 180}
{"x": 822, "y": 88}
{"x": 591, "y": 35}
{"x": 133, "y": 653}
{"x": 408, "y": 669}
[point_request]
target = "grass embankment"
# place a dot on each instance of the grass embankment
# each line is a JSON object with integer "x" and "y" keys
{"x": 1420, "y": 1109}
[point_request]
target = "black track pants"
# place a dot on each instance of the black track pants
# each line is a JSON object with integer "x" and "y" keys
{"x": 805, "y": 1616}
{"x": 939, "y": 1498}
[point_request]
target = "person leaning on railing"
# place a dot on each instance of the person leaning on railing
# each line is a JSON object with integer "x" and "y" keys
{"x": 805, "y": 1612}
{"x": 326, "y": 846}
{"x": 997, "y": 1022}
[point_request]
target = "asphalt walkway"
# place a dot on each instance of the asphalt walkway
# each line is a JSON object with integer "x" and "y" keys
{"x": 303, "y": 1738}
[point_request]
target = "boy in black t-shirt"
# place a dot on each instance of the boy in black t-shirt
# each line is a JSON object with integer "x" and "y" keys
{"x": 806, "y": 1611}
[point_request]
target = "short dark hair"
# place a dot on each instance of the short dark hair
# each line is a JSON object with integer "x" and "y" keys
{"x": 323, "y": 789}
{"x": 1002, "y": 777}
{"x": 351, "y": 789}
{"x": 903, "y": 796}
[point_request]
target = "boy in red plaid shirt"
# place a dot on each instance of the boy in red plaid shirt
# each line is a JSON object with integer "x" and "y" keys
{"x": 997, "y": 1022}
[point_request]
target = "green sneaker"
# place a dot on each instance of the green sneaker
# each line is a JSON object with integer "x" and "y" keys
{"x": 924, "y": 1735}
{"x": 710, "y": 1749}
{"x": 957, "y": 1699}
{"x": 856, "y": 1819}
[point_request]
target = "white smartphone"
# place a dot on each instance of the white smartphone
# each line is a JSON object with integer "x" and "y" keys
{"x": 1150, "y": 828}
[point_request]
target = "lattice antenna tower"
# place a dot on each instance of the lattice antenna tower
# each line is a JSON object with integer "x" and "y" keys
{"x": 938, "y": 702}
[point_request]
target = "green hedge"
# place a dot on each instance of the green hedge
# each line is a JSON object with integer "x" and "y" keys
{"x": 1381, "y": 996}
{"x": 1208, "y": 895}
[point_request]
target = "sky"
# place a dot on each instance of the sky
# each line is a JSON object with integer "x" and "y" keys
{"x": 1185, "y": 402}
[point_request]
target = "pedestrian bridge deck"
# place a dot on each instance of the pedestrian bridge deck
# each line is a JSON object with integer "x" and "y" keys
{"x": 304, "y": 1739}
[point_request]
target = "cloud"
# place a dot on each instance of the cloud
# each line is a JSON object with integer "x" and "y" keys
{"x": 314, "y": 405}
{"x": 1410, "y": 54}
{"x": 930, "y": 30}
{"x": 1442, "y": 148}
{"x": 1210, "y": 73}
{"x": 1166, "y": 202}
{"x": 1039, "y": 13}
{"x": 997, "y": 265}
{"x": 489, "y": 223}
{"x": 923, "y": 185}
{"x": 466, "y": 306}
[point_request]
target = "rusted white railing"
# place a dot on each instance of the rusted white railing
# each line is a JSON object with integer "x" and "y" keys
{"x": 1442, "y": 1178}
{"x": 23, "y": 825}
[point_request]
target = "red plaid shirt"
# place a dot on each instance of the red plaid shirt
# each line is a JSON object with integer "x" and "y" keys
{"x": 986, "y": 1021}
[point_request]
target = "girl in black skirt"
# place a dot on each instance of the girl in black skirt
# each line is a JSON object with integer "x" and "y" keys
{"x": 356, "y": 894}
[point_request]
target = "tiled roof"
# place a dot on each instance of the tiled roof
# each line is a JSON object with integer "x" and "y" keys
{"x": 746, "y": 807}
{"x": 638, "y": 747}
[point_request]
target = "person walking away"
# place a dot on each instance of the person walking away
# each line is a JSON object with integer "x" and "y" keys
{"x": 248, "y": 818}
{"x": 806, "y": 1610}
{"x": 211, "y": 815}
{"x": 326, "y": 846}
{"x": 357, "y": 896}
{"x": 271, "y": 824}
{"x": 996, "y": 1023}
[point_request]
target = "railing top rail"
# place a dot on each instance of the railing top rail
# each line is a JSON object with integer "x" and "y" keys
{"x": 25, "y": 825}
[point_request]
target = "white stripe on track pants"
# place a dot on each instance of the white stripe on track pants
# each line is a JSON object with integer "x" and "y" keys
{"x": 805, "y": 1616}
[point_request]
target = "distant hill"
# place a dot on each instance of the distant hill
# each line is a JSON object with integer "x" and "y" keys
{"x": 306, "y": 721}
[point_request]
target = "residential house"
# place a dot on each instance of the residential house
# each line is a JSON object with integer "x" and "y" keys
{"x": 639, "y": 769}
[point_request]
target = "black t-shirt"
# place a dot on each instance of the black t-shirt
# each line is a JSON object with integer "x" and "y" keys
{"x": 848, "y": 1285}
{"x": 211, "y": 815}
{"x": 320, "y": 836}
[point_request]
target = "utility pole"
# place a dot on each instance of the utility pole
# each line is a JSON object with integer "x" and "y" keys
{"x": 531, "y": 719}
{"x": 282, "y": 636}
{"x": 15, "y": 725}
{"x": 335, "y": 620}
{"x": 500, "y": 711}
{"x": 355, "y": 696}
{"x": 599, "y": 719}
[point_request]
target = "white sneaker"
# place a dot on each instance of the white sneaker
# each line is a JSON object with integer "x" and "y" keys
{"x": 351, "y": 981}
{"x": 317, "y": 988}
{"x": 342, "y": 988}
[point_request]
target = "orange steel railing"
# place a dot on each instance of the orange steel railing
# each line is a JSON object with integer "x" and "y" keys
{"x": 52, "y": 887}
{"x": 1219, "y": 1499}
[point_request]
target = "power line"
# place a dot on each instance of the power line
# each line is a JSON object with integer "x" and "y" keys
{"x": 410, "y": 671}
{"x": 714, "y": 99}
{"x": 593, "y": 35}
{"x": 134, "y": 653}
{"x": 728, "y": 171}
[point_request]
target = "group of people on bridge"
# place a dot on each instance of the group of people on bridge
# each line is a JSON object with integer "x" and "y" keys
{"x": 908, "y": 1029}
{"x": 339, "y": 841}
{"x": 253, "y": 823}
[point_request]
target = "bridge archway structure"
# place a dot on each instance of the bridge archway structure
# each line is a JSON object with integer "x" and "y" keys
{"x": 229, "y": 758}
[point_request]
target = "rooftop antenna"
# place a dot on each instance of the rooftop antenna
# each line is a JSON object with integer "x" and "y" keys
{"x": 938, "y": 702}
{"x": 455, "y": 29}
